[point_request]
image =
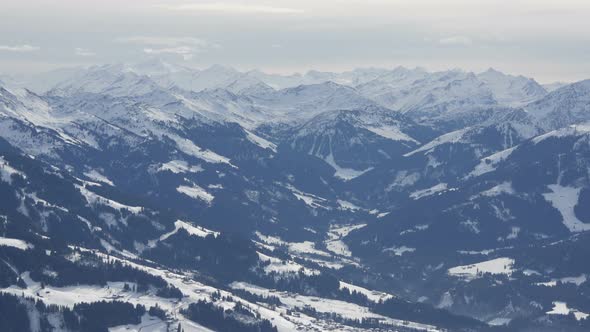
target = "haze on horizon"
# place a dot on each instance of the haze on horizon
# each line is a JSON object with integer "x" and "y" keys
{"x": 541, "y": 38}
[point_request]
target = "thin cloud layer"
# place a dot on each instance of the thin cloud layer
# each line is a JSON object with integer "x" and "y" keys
{"x": 19, "y": 48}
{"x": 186, "y": 52}
{"x": 225, "y": 7}
{"x": 455, "y": 40}
{"x": 298, "y": 35}
{"x": 83, "y": 52}
{"x": 186, "y": 47}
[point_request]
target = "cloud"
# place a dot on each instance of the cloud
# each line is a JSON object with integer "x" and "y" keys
{"x": 455, "y": 40}
{"x": 19, "y": 48}
{"x": 163, "y": 41}
{"x": 224, "y": 7}
{"x": 186, "y": 52}
{"x": 83, "y": 52}
{"x": 186, "y": 47}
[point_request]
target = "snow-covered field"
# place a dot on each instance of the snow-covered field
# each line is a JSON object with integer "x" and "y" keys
{"x": 452, "y": 137}
{"x": 95, "y": 199}
{"x": 194, "y": 291}
{"x": 334, "y": 242}
{"x": 566, "y": 280}
{"x": 343, "y": 173}
{"x": 561, "y": 308}
{"x": 192, "y": 230}
{"x": 180, "y": 166}
{"x": 15, "y": 243}
{"x": 7, "y": 171}
{"x": 283, "y": 267}
{"x": 429, "y": 191}
{"x": 97, "y": 176}
{"x": 399, "y": 251}
{"x": 322, "y": 305}
{"x": 196, "y": 192}
{"x": 489, "y": 163}
{"x": 565, "y": 199}
{"x": 502, "y": 265}
{"x": 372, "y": 295}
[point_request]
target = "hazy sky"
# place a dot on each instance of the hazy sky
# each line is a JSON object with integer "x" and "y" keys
{"x": 548, "y": 40}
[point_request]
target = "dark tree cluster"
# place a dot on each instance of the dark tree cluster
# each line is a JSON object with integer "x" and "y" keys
{"x": 218, "y": 319}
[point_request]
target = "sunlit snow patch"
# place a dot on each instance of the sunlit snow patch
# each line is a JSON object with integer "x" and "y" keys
{"x": 372, "y": 295}
{"x": 489, "y": 164}
{"x": 180, "y": 166}
{"x": 335, "y": 235}
{"x": 345, "y": 174}
{"x": 561, "y": 308}
{"x": 96, "y": 176}
{"x": 502, "y": 265}
{"x": 15, "y": 243}
{"x": 196, "y": 192}
{"x": 564, "y": 199}
{"x": 430, "y": 191}
{"x": 261, "y": 141}
{"x": 7, "y": 171}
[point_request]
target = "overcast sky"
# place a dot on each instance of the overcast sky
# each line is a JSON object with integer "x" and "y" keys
{"x": 545, "y": 39}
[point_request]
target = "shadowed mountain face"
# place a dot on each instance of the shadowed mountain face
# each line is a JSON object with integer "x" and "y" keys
{"x": 373, "y": 199}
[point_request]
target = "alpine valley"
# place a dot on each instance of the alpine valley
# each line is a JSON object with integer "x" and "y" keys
{"x": 156, "y": 197}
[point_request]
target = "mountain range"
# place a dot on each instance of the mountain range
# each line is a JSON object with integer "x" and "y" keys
{"x": 160, "y": 196}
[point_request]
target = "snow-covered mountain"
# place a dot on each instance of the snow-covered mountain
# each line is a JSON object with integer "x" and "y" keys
{"x": 368, "y": 200}
{"x": 511, "y": 90}
{"x": 565, "y": 106}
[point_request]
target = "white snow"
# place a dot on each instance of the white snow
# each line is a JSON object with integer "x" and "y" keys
{"x": 15, "y": 243}
{"x": 564, "y": 199}
{"x": 399, "y": 251}
{"x": 148, "y": 324}
{"x": 429, "y": 191}
{"x": 310, "y": 200}
{"x": 452, "y": 137}
{"x": 561, "y": 308}
{"x": 180, "y": 166}
{"x": 190, "y": 148}
{"x": 499, "y": 321}
{"x": 502, "y": 265}
{"x": 502, "y": 188}
{"x": 490, "y": 163}
{"x": 345, "y": 309}
{"x": 372, "y": 295}
{"x": 391, "y": 132}
{"x": 192, "y": 230}
{"x": 345, "y": 174}
{"x": 305, "y": 248}
{"x": 263, "y": 143}
{"x": 576, "y": 129}
{"x": 346, "y": 205}
{"x": 96, "y": 176}
{"x": 95, "y": 199}
{"x": 196, "y": 192}
{"x": 566, "y": 280}
{"x": 334, "y": 242}
{"x": 6, "y": 171}
{"x": 283, "y": 267}
{"x": 446, "y": 301}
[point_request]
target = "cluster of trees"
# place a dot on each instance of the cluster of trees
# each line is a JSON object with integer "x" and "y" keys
{"x": 87, "y": 317}
{"x": 88, "y": 270}
{"x": 425, "y": 313}
{"x": 218, "y": 319}
{"x": 99, "y": 316}
{"x": 13, "y": 314}
{"x": 255, "y": 298}
{"x": 223, "y": 257}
